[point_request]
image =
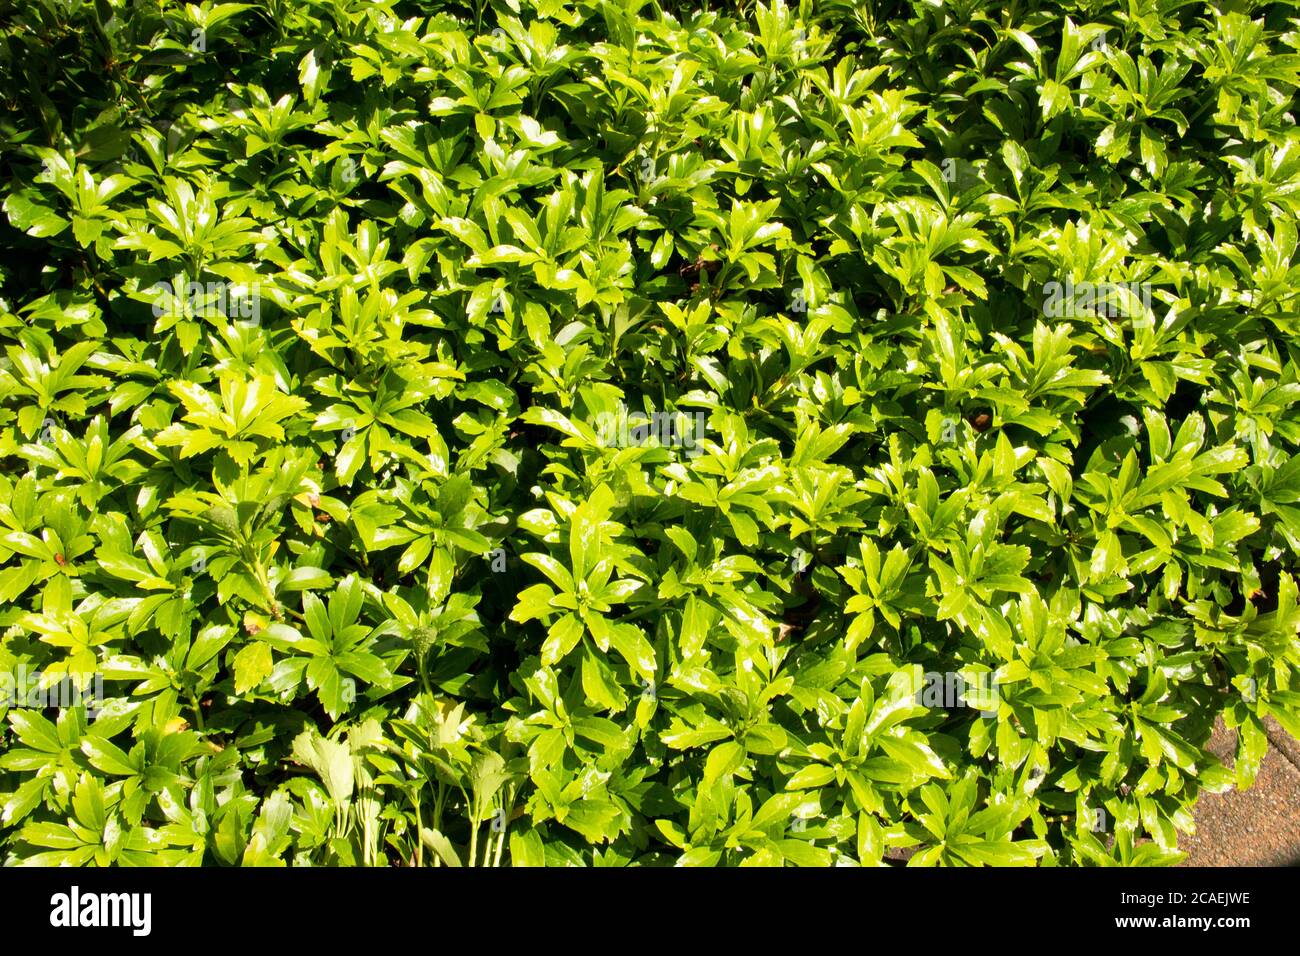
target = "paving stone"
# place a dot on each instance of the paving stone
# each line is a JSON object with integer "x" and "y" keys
{"x": 1223, "y": 743}
{"x": 1255, "y": 827}
{"x": 1279, "y": 738}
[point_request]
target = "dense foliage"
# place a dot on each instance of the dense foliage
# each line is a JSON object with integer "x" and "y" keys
{"x": 609, "y": 432}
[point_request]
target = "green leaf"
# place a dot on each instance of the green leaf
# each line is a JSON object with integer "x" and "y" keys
{"x": 253, "y": 665}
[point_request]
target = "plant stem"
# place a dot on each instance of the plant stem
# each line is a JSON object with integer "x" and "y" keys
{"x": 501, "y": 843}
{"x": 419, "y": 831}
{"x": 198, "y": 712}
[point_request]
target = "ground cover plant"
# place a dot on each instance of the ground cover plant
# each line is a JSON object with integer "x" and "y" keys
{"x": 619, "y": 432}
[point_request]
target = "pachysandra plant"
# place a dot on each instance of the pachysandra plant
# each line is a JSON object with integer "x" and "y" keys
{"x": 616, "y": 433}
